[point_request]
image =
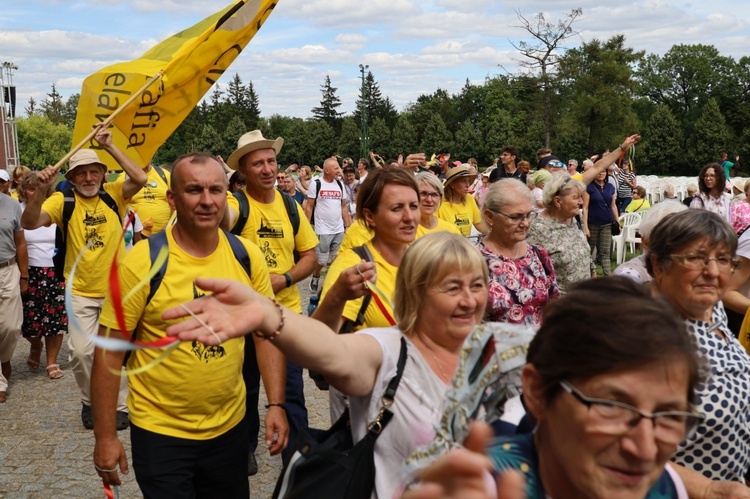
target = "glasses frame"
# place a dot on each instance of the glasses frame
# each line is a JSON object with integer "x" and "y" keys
{"x": 681, "y": 259}
{"x": 434, "y": 195}
{"x": 517, "y": 219}
{"x": 692, "y": 418}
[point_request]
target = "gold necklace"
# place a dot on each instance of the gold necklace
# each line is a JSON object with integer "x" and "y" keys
{"x": 445, "y": 377}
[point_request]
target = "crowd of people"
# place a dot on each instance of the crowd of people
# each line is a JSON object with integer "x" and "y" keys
{"x": 411, "y": 254}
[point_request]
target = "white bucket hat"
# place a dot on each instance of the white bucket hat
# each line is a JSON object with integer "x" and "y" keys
{"x": 84, "y": 157}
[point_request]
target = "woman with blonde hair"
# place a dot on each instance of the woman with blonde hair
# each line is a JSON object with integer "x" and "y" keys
{"x": 304, "y": 174}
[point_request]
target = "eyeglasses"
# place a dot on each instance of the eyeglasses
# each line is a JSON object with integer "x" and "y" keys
{"x": 617, "y": 418}
{"x": 708, "y": 175}
{"x": 693, "y": 261}
{"x": 425, "y": 194}
{"x": 517, "y": 219}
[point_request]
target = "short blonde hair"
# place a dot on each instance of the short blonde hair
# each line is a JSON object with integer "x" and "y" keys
{"x": 427, "y": 261}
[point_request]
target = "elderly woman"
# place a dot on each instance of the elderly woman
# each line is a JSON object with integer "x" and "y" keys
{"x": 692, "y": 190}
{"x": 635, "y": 268}
{"x": 459, "y": 208}
{"x": 44, "y": 300}
{"x": 639, "y": 201}
{"x": 737, "y": 297}
{"x": 711, "y": 182}
{"x": 441, "y": 289}
{"x": 558, "y": 232}
{"x": 610, "y": 409}
{"x": 599, "y": 212}
{"x": 691, "y": 258}
{"x": 522, "y": 279}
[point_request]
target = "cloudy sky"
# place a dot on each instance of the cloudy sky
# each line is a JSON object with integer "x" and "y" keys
{"x": 411, "y": 46}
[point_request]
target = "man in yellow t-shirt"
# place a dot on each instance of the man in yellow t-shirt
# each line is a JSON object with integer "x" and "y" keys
{"x": 150, "y": 203}
{"x": 94, "y": 230}
{"x": 269, "y": 226}
{"x": 188, "y": 430}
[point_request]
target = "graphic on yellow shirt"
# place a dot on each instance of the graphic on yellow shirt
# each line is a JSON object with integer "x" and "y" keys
{"x": 462, "y": 215}
{"x": 163, "y": 399}
{"x": 269, "y": 227}
{"x": 92, "y": 221}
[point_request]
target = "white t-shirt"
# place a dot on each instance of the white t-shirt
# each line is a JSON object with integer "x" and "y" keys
{"x": 538, "y": 195}
{"x": 416, "y": 409}
{"x": 327, "y": 218}
{"x": 40, "y": 244}
{"x": 131, "y": 228}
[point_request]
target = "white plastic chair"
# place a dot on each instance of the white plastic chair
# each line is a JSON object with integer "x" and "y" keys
{"x": 630, "y": 223}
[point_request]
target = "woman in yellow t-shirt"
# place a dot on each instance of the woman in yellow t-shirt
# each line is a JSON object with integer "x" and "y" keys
{"x": 389, "y": 206}
{"x": 430, "y": 197}
{"x": 639, "y": 202}
{"x": 459, "y": 208}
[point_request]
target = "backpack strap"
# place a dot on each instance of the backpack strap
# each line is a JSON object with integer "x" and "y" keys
{"x": 291, "y": 209}
{"x": 243, "y": 214}
{"x": 109, "y": 201}
{"x": 239, "y": 251}
{"x": 348, "y": 326}
{"x": 159, "y": 171}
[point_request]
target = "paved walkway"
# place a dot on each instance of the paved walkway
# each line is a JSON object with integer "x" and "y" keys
{"x": 46, "y": 453}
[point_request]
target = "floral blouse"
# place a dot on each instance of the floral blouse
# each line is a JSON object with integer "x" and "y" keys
{"x": 720, "y": 205}
{"x": 566, "y": 246}
{"x": 519, "y": 287}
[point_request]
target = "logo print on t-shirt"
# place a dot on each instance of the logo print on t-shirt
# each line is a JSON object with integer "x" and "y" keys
{"x": 267, "y": 231}
{"x": 461, "y": 220}
{"x": 204, "y": 352}
{"x": 269, "y": 254}
{"x": 93, "y": 238}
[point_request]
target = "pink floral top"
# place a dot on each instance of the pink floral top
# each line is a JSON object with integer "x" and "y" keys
{"x": 519, "y": 287}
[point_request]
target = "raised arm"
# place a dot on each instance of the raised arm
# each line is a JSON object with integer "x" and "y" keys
{"x": 137, "y": 178}
{"x": 589, "y": 175}
{"x": 33, "y": 217}
{"x": 349, "y": 362}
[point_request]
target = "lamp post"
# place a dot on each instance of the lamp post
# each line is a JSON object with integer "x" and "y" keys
{"x": 364, "y": 137}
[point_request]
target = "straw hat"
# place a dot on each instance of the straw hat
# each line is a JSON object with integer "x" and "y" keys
{"x": 252, "y": 141}
{"x": 459, "y": 172}
{"x": 83, "y": 157}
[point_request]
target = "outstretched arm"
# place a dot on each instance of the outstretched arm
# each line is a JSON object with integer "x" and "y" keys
{"x": 349, "y": 362}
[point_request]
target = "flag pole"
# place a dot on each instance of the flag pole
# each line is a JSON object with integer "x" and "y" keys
{"x": 109, "y": 120}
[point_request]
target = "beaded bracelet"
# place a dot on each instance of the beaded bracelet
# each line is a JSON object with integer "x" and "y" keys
{"x": 278, "y": 329}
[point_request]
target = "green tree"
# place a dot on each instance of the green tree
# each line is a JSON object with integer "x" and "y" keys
{"x": 70, "y": 109}
{"x": 599, "y": 84}
{"x": 404, "y": 137}
{"x": 543, "y": 53}
{"x": 53, "y": 107}
{"x": 710, "y": 136}
{"x": 31, "y": 108}
{"x": 233, "y": 131}
{"x": 42, "y": 142}
{"x": 348, "y": 141}
{"x": 468, "y": 142}
{"x": 251, "y": 114}
{"x": 209, "y": 140}
{"x": 437, "y": 137}
{"x": 321, "y": 141}
{"x": 380, "y": 139}
{"x": 661, "y": 151}
{"x": 329, "y": 104}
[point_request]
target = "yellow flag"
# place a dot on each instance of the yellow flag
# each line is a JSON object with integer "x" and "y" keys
{"x": 191, "y": 61}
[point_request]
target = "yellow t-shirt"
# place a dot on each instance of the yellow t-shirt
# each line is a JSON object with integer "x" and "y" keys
{"x": 151, "y": 202}
{"x": 197, "y": 392}
{"x": 92, "y": 220}
{"x": 441, "y": 225}
{"x": 269, "y": 227}
{"x": 357, "y": 234}
{"x": 462, "y": 215}
{"x": 638, "y": 205}
{"x": 385, "y": 281}
{"x": 578, "y": 176}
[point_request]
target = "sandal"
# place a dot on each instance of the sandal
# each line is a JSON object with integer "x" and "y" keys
{"x": 34, "y": 363}
{"x": 54, "y": 371}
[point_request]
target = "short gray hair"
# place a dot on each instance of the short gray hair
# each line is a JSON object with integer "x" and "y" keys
{"x": 561, "y": 183}
{"x": 506, "y": 191}
{"x": 678, "y": 230}
{"x": 669, "y": 190}
{"x": 431, "y": 180}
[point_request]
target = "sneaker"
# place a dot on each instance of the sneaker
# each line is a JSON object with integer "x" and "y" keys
{"x": 87, "y": 417}
{"x": 252, "y": 464}
{"x": 314, "y": 282}
{"x": 123, "y": 420}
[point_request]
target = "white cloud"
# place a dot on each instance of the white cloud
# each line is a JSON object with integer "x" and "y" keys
{"x": 350, "y": 13}
{"x": 351, "y": 41}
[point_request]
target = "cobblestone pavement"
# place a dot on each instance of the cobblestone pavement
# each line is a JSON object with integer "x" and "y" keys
{"x": 45, "y": 451}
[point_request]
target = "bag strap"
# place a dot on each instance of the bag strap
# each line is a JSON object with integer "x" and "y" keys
{"x": 348, "y": 326}
{"x": 604, "y": 201}
{"x": 385, "y": 414}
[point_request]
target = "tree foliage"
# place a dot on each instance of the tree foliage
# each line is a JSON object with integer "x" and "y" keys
{"x": 42, "y": 142}
{"x": 329, "y": 105}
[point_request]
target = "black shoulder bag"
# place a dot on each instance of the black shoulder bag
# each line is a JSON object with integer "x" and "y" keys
{"x": 329, "y": 464}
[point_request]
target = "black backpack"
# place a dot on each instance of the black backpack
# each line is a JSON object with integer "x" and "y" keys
{"x": 291, "y": 210}
{"x": 61, "y": 233}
